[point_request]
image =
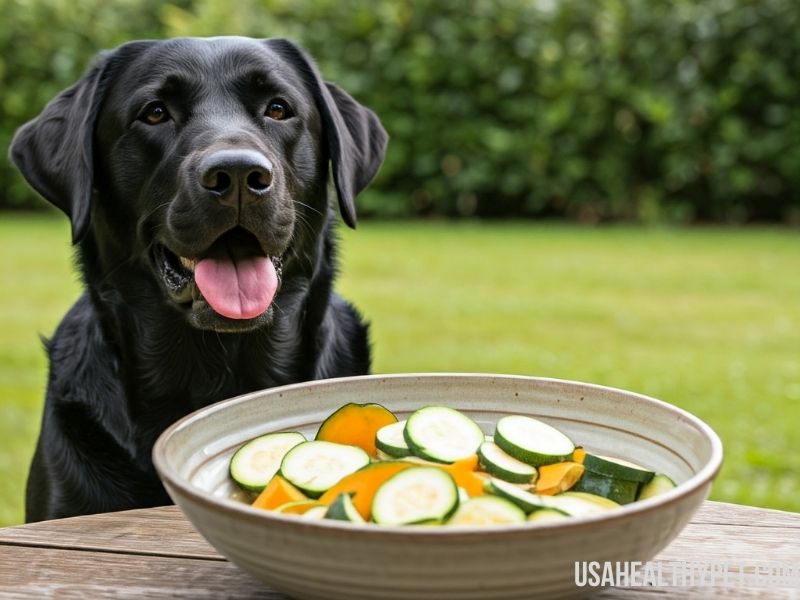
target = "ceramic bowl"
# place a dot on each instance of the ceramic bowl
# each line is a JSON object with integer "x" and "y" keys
{"x": 328, "y": 559}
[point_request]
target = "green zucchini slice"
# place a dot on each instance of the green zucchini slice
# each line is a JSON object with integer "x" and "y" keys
{"x": 315, "y": 466}
{"x": 389, "y": 440}
{"x": 254, "y": 463}
{"x": 659, "y": 484}
{"x": 546, "y": 515}
{"x": 415, "y": 496}
{"x": 442, "y": 434}
{"x": 622, "y": 491}
{"x": 318, "y": 512}
{"x": 617, "y": 468}
{"x": 581, "y": 504}
{"x": 487, "y": 510}
{"x": 342, "y": 509}
{"x": 532, "y": 441}
{"x": 502, "y": 465}
{"x": 527, "y": 501}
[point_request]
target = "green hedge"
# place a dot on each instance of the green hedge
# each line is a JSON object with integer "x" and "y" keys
{"x": 684, "y": 110}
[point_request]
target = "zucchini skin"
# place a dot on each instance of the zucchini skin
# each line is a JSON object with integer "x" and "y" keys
{"x": 497, "y": 470}
{"x": 342, "y": 509}
{"x": 621, "y": 491}
{"x": 526, "y": 501}
{"x": 609, "y": 468}
{"x": 659, "y": 484}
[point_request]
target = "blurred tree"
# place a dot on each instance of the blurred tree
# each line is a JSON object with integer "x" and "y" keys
{"x": 45, "y": 45}
{"x": 615, "y": 109}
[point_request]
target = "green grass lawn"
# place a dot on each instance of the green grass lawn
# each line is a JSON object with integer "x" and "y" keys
{"x": 707, "y": 319}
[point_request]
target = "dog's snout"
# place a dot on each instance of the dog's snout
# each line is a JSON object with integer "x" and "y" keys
{"x": 236, "y": 176}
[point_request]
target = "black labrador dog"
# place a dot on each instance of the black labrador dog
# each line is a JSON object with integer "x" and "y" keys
{"x": 196, "y": 176}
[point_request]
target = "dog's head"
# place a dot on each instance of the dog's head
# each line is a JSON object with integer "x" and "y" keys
{"x": 205, "y": 163}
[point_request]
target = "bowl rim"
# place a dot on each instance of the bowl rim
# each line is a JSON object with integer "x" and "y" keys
{"x": 171, "y": 479}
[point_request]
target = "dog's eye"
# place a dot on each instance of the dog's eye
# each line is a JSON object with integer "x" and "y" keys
{"x": 154, "y": 113}
{"x": 278, "y": 110}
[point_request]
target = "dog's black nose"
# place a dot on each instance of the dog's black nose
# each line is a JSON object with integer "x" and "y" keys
{"x": 236, "y": 176}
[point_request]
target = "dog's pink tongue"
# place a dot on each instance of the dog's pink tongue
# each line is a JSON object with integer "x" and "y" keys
{"x": 236, "y": 285}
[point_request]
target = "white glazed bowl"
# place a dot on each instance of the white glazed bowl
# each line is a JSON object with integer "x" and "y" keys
{"x": 333, "y": 559}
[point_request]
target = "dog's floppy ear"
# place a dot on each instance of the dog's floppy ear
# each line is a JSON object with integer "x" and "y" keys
{"x": 355, "y": 137}
{"x": 54, "y": 151}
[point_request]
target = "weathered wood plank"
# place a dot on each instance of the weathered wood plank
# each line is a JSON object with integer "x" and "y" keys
{"x": 28, "y": 573}
{"x": 723, "y": 513}
{"x": 704, "y": 542}
{"x": 162, "y": 531}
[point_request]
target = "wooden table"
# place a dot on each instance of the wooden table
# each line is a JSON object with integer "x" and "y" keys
{"x": 155, "y": 553}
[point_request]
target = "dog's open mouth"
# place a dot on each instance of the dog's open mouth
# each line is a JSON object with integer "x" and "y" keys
{"x": 234, "y": 277}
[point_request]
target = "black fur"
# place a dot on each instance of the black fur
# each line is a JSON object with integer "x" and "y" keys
{"x": 132, "y": 355}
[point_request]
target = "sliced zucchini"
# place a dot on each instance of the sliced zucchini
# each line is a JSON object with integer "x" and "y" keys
{"x": 659, "y": 484}
{"x": 547, "y": 514}
{"x": 617, "y": 468}
{"x": 504, "y": 466}
{"x": 487, "y": 510}
{"x": 415, "y": 496}
{"x": 254, "y": 464}
{"x": 622, "y": 491}
{"x": 525, "y": 500}
{"x": 442, "y": 434}
{"x": 389, "y": 440}
{"x": 343, "y": 509}
{"x": 315, "y": 466}
{"x": 532, "y": 441}
{"x": 318, "y": 512}
{"x": 581, "y": 504}
{"x": 298, "y": 507}
{"x": 416, "y": 460}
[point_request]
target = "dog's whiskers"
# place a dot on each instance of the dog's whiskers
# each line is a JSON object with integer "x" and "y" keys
{"x": 308, "y": 206}
{"x": 146, "y": 217}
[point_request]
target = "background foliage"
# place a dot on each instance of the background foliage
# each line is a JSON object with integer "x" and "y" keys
{"x": 614, "y": 109}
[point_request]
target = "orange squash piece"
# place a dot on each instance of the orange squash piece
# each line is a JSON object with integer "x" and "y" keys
{"x": 558, "y": 477}
{"x": 276, "y": 493}
{"x": 356, "y": 425}
{"x": 463, "y": 472}
{"x": 363, "y": 484}
{"x": 578, "y": 455}
{"x": 470, "y": 463}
